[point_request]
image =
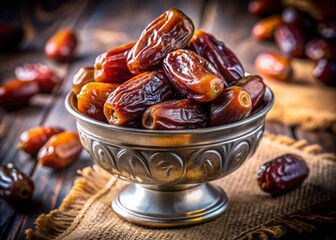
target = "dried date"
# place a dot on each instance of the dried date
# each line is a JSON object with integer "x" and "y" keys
{"x": 325, "y": 71}
{"x": 33, "y": 139}
{"x": 274, "y": 66}
{"x": 264, "y": 29}
{"x": 233, "y": 104}
{"x": 320, "y": 48}
{"x": 92, "y": 97}
{"x": 60, "y": 150}
{"x": 62, "y": 45}
{"x": 174, "y": 115}
{"x": 193, "y": 76}
{"x": 46, "y": 78}
{"x": 15, "y": 186}
{"x": 290, "y": 40}
{"x": 215, "y": 51}
{"x": 254, "y": 85}
{"x": 130, "y": 99}
{"x": 82, "y": 77}
{"x": 111, "y": 66}
{"x": 170, "y": 31}
{"x": 282, "y": 174}
{"x": 16, "y": 94}
{"x": 264, "y": 8}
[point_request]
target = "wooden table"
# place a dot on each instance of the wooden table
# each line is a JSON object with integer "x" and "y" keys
{"x": 101, "y": 25}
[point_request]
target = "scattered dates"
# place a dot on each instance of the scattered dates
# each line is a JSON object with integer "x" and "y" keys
{"x": 264, "y": 29}
{"x": 282, "y": 174}
{"x": 62, "y": 45}
{"x": 33, "y": 139}
{"x": 274, "y": 66}
{"x": 170, "y": 31}
{"x": 174, "y": 115}
{"x": 60, "y": 150}
{"x": 16, "y": 94}
{"x": 15, "y": 186}
{"x": 215, "y": 51}
{"x": 171, "y": 78}
{"x": 46, "y": 78}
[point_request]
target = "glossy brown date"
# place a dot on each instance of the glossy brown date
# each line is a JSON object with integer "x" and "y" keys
{"x": 264, "y": 8}
{"x": 82, "y": 77}
{"x": 290, "y": 40}
{"x": 282, "y": 174}
{"x": 33, "y": 139}
{"x": 46, "y": 78}
{"x": 320, "y": 48}
{"x": 60, "y": 150}
{"x": 111, "y": 66}
{"x": 325, "y": 71}
{"x": 264, "y": 29}
{"x": 130, "y": 99}
{"x": 15, "y": 186}
{"x": 327, "y": 29}
{"x": 16, "y": 94}
{"x": 254, "y": 85}
{"x": 232, "y": 105}
{"x": 10, "y": 37}
{"x": 215, "y": 51}
{"x": 274, "y": 66}
{"x": 62, "y": 45}
{"x": 174, "y": 115}
{"x": 193, "y": 76}
{"x": 92, "y": 97}
{"x": 170, "y": 31}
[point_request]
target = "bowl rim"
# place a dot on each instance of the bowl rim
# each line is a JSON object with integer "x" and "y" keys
{"x": 69, "y": 104}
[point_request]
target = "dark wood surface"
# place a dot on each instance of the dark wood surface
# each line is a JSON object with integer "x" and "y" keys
{"x": 100, "y": 25}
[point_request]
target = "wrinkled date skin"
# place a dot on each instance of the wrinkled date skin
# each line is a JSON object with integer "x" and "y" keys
{"x": 170, "y": 31}
{"x": 46, "y": 77}
{"x": 62, "y": 45}
{"x": 10, "y": 37}
{"x": 16, "y": 94}
{"x": 274, "y": 66}
{"x": 92, "y": 97}
{"x": 15, "y": 186}
{"x": 174, "y": 115}
{"x": 290, "y": 40}
{"x": 264, "y": 29}
{"x": 320, "y": 48}
{"x": 193, "y": 76}
{"x": 60, "y": 150}
{"x": 130, "y": 99}
{"x": 213, "y": 50}
{"x": 33, "y": 139}
{"x": 325, "y": 71}
{"x": 255, "y": 86}
{"x": 232, "y": 105}
{"x": 82, "y": 77}
{"x": 282, "y": 174}
{"x": 111, "y": 66}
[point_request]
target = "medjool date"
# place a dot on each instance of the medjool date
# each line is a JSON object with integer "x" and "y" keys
{"x": 215, "y": 51}
{"x": 174, "y": 115}
{"x": 282, "y": 174}
{"x": 82, "y": 77}
{"x": 131, "y": 98}
{"x": 170, "y": 31}
{"x": 193, "y": 76}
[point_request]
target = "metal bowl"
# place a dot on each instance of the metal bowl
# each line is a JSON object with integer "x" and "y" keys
{"x": 169, "y": 171}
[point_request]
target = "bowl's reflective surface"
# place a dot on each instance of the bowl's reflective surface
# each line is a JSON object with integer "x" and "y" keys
{"x": 170, "y": 168}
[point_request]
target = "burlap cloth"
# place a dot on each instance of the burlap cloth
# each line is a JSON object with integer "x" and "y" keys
{"x": 86, "y": 213}
{"x": 303, "y": 101}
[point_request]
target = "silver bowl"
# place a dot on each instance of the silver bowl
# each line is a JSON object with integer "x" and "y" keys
{"x": 169, "y": 171}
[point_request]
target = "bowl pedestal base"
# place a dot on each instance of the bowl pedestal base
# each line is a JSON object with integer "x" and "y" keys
{"x": 170, "y": 206}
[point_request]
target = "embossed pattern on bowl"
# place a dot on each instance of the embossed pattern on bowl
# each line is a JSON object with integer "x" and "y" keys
{"x": 159, "y": 157}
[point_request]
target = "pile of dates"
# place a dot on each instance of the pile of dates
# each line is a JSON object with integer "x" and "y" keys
{"x": 297, "y": 35}
{"x": 171, "y": 78}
